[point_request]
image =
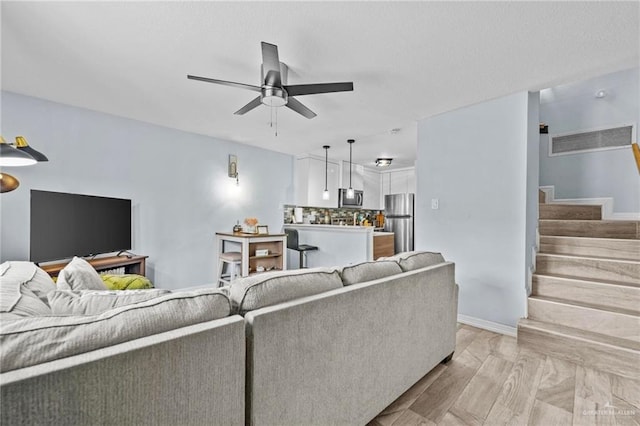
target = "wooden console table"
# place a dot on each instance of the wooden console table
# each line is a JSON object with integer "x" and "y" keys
{"x": 131, "y": 264}
{"x": 249, "y": 243}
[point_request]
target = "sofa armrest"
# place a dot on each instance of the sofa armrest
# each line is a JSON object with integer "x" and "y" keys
{"x": 190, "y": 375}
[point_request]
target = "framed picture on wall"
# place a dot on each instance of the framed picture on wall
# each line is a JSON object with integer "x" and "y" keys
{"x": 263, "y": 229}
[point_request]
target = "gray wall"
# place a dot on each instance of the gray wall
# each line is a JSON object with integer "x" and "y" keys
{"x": 475, "y": 160}
{"x": 573, "y": 108}
{"x": 177, "y": 182}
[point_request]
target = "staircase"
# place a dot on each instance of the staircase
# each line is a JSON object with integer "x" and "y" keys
{"x": 585, "y": 301}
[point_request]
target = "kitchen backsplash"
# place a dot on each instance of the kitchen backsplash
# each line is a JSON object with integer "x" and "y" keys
{"x": 336, "y": 216}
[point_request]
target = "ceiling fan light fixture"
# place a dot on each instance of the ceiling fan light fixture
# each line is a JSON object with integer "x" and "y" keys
{"x": 274, "y": 90}
{"x": 383, "y": 162}
{"x": 274, "y": 97}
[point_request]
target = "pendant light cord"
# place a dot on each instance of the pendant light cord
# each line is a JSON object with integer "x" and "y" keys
{"x": 326, "y": 167}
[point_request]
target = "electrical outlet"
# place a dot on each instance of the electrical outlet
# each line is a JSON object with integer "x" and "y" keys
{"x": 435, "y": 204}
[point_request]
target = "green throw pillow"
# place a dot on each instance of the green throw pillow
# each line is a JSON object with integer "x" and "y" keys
{"x": 125, "y": 282}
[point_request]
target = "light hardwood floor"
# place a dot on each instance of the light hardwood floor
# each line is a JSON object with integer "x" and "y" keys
{"x": 493, "y": 381}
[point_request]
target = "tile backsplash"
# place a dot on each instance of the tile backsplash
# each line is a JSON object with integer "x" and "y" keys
{"x": 318, "y": 214}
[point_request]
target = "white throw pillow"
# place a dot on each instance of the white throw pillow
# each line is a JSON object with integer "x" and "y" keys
{"x": 23, "y": 290}
{"x": 80, "y": 275}
{"x": 93, "y": 302}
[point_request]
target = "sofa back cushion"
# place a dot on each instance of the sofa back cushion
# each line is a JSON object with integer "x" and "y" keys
{"x": 32, "y": 341}
{"x": 93, "y": 302}
{"x": 368, "y": 271}
{"x": 79, "y": 275}
{"x": 412, "y": 260}
{"x": 270, "y": 288}
{"x": 23, "y": 290}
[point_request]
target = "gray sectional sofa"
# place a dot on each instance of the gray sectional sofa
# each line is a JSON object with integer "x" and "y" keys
{"x": 322, "y": 346}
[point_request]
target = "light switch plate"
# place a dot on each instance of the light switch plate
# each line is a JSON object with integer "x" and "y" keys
{"x": 435, "y": 203}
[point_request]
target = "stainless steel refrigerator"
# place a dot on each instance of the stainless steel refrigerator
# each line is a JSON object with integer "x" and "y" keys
{"x": 398, "y": 211}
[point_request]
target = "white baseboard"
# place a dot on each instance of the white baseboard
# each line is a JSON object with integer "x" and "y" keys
{"x": 488, "y": 325}
{"x": 625, "y": 216}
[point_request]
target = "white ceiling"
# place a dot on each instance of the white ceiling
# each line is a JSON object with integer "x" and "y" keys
{"x": 408, "y": 60}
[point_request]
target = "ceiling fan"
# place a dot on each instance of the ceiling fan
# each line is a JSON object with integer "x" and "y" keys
{"x": 274, "y": 90}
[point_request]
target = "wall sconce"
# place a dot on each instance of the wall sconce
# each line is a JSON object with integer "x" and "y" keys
{"x": 233, "y": 168}
{"x": 383, "y": 162}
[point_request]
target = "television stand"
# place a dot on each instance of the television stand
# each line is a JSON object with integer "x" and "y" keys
{"x": 133, "y": 264}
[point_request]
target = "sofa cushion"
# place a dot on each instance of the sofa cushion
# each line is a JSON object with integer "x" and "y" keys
{"x": 32, "y": 341}
{"x": 79, "y": 275}
{"x": 92, "y": 302}
{"x": 270, "y": 288}
{"x": 23, "y": 290}
{"x": 368, "y": 271}
{"x": 412, "y": 260}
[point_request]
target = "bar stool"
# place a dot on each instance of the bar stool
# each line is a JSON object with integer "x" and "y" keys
{"x": 292, "y": 243}
{"x": 233, "y": 259}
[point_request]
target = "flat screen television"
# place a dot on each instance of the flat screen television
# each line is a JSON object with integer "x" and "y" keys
{"x": 66, "y": 225}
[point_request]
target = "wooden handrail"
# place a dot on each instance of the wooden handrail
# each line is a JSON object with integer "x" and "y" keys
{"x": 636, "y": 153}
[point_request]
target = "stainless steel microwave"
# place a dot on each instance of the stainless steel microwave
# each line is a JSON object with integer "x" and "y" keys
{"x": 355, "y": 202}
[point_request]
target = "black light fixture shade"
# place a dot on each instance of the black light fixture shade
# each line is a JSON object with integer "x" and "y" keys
{"x": 12, "y": 157}
{"x": 22, "y": 145}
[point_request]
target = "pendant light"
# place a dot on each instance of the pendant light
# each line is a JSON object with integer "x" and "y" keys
{"x": 10, "y": 156}
{"x": 8, "y": 183}
{"x": 350, "y": 193}
{"x": 325, "y": 193}
{"x": 22, "y": 145}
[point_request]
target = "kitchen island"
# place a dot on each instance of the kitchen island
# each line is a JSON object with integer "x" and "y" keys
{"x": 338, "y": 245}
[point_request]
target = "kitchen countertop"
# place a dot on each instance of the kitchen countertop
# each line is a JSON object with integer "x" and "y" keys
{"x": 381, "y": 233}
{"x": 340, "y": 228}
{"x": 337, "y": 244}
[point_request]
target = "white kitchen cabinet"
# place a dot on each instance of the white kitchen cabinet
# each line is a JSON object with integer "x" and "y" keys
{"x": 398, "y": 181}
{"x": 372, "y": 187}
{"x": 309, "y": 182}
{"x": 357, "y": 181}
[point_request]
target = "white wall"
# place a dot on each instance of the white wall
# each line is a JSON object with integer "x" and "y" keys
{"x": 475, "y": 161}
{"x": 573, "y": 108}
{"x": 177, "y": 181}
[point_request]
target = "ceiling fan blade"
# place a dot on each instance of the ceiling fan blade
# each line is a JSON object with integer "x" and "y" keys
{"x": 225, "y": 83}
{"x": 271, "y": 64}
{"x": 248, "y": 107}
{"x": 298, "y": 107}
{"x": 313, "y": 89}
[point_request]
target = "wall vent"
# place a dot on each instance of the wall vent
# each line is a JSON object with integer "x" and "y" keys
{"x": 593, "y": 140}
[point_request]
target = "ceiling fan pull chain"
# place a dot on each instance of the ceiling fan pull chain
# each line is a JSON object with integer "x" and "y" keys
{"x": 276, "y": 122}
{"x": 271, "y": 115}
